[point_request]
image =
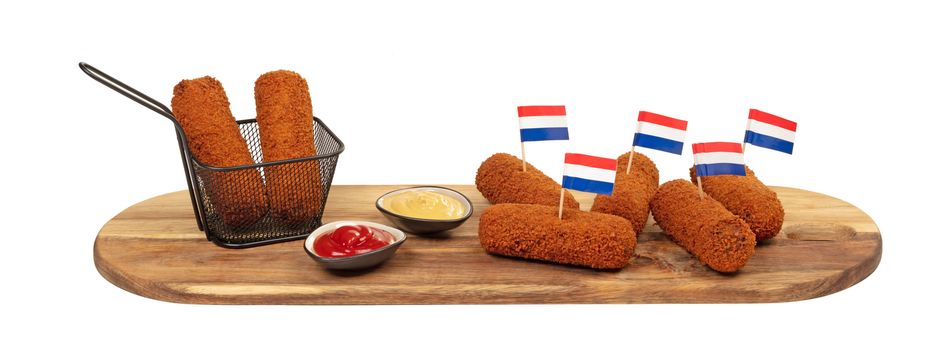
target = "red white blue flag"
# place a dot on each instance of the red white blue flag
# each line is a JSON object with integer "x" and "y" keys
{"x": 718, "y": 158}
{"x": 542, "y": 123}
{"x": 661, "y": 133}
{"x": 589, "y": 173}
{"x": 769, "y": 131}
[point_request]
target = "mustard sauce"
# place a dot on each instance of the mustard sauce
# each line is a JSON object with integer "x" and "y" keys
{"x": 424, "y": 204}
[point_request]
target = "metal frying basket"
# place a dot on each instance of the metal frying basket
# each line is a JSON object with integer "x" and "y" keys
{"x": 234, "y": 205}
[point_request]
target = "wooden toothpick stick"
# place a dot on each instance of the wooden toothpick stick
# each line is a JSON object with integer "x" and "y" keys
{"x": 744, "y": 144}
{"x": 638, "y": 128}
{"x": 700, "y": 188}
{"x": 523, "y": 156}
{"x": 631, "y": 155}
{"x": 562, "y": 193}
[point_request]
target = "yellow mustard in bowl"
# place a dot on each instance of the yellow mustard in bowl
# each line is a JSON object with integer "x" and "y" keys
{"x": 424, "y": 204}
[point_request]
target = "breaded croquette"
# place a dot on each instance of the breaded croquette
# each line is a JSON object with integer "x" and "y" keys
{"x": 533, "y": 231}
{"x": 285, "y": 118}
{"x": 203, "y": 111}
{"x": 631, "y": 192}
{"x": 702, "y": 226}
{"x": 748, "y": 198}
{"x": 501, "y": 179}
{"x": 641, "y": 165}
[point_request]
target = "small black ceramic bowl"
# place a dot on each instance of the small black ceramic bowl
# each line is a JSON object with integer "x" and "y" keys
{"x": 354, "y": 262}
{"x": 426, "y": 226}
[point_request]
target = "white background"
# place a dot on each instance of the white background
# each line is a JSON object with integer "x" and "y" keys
{"x": 421, "y": 92}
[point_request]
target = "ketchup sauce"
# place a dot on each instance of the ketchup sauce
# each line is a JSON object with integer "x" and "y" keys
{"x": 349, "y": 240}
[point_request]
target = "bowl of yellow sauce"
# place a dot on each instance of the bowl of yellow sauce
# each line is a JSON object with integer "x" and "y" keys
{"x": 425, "y": 209}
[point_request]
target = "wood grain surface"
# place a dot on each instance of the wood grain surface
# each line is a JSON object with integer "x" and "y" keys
{"x": 154, "y": 249}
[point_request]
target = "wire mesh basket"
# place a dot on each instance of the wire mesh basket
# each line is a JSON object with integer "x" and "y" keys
{"x": 254, "y": 204}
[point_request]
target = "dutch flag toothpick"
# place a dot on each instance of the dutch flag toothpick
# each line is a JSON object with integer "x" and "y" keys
{"x": 587, "y": 173}
{"x": 540, "y": 123}
{"x": 769, "y": 131}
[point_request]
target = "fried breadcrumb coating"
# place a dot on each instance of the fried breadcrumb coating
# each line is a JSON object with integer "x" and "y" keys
{"x": 703, "y": 227}
{"x": 501, "y": 179}
{"x": 632, "y": 192}
{"x": 748, "y": 198}
{"x": 203, "y": 111}
{"x": 285, "y": 118}
{"x": 533, "y": 231}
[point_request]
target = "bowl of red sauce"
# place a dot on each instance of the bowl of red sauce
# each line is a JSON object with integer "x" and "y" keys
{"x": 353, "y": 245}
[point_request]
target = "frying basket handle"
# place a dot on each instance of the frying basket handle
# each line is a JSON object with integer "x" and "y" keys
{"x": 127, "y": 91}
{"x": 159, "y": 108}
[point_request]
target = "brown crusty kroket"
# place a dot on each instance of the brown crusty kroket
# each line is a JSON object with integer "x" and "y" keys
{"x": 631, "y": 192}
{"x": 501, "y": 179}
{"x": 534, "y": 231}
{"x": 203, "y": 111}
{"x": 642, "y": 165}
{"x": 285, "y": 118}
{"x": 703, "y": 227}
{"x": 748, "y": 198}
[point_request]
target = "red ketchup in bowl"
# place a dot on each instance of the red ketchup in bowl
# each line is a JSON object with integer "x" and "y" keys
{"x": 349, "y": 240}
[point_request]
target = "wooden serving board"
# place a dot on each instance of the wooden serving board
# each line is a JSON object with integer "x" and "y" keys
{"x": 154, "y": 249}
